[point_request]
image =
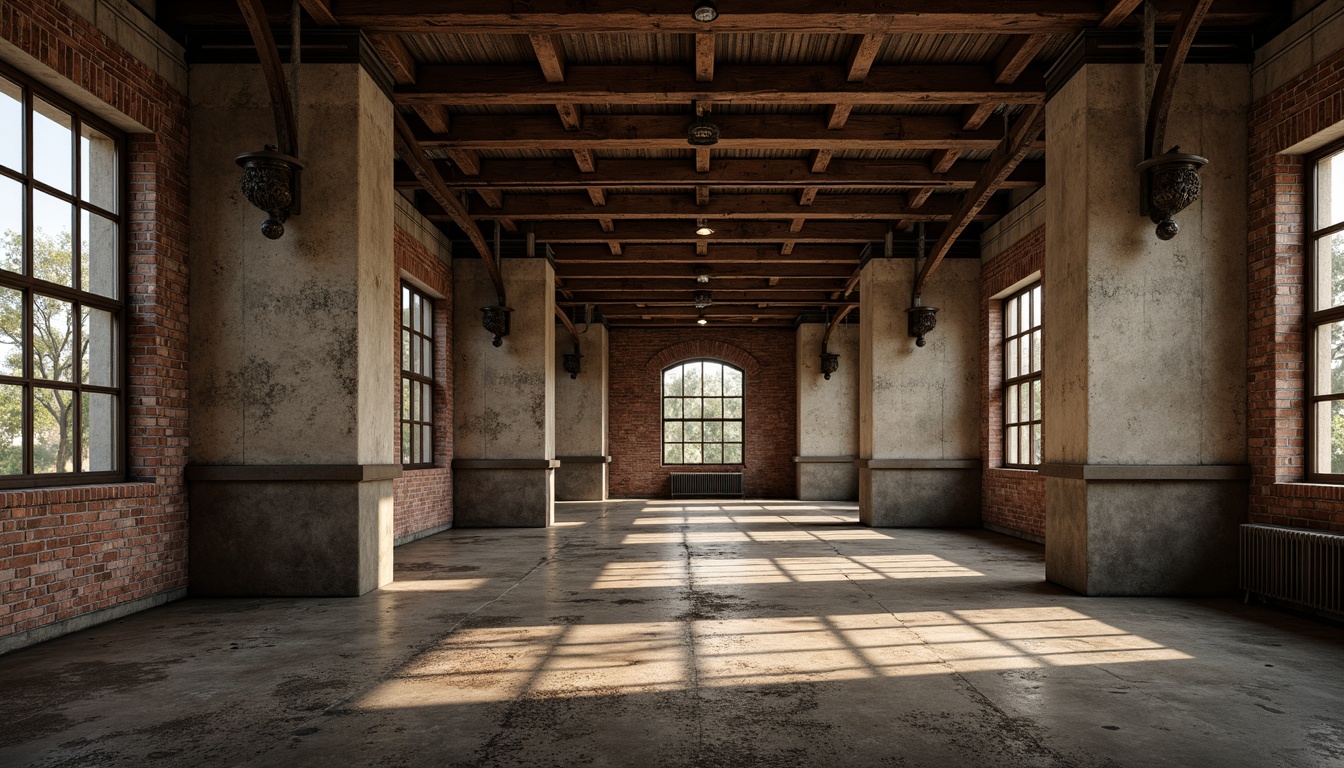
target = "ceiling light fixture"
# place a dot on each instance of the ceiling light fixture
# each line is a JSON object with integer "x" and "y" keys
{"x": 705, "y": 11}
{"x": 703, "y": 299}
{"x": 702, "y": 229}
{"x": 702, "y": 320}
{"x": 702, "y": 274}
{"x": 702, "y": 132}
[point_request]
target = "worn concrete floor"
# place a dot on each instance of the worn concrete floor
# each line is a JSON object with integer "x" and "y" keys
{"x": 667, "y": 634}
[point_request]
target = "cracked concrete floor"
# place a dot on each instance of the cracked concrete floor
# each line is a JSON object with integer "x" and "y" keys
{"x": 669, "y": 634}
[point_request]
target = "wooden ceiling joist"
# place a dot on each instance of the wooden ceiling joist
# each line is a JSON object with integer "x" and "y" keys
{"x": 723, "y": 207}
{"x": 674, "y": 231}
{"x": 656, "y": 85}
{"x": 719, "y": 254}
{"x": 974, "y": 17}
{"x": 774, "y": 132}
{"x": 681, "y": 272}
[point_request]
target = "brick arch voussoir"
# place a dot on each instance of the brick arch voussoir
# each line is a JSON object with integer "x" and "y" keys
{"x": 691, "y": 350}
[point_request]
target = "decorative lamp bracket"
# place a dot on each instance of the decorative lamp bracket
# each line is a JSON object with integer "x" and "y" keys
{"x": 922, "y": 321}
{"x": 271, "y": 182}
{"x": 496, "y": 320}
{"x": 830, "y": 363}
{"x": 1168, "y": 184}
{"x": 572, "y": 363}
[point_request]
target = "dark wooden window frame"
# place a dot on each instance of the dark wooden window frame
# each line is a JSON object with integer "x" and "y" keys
{"x": 417, "y": 380}
{"x": 1314, "y": 318}
{"x": 1031, "y": 418}
{"x": 78, "y": 298}
{"x": 663, "y": 419}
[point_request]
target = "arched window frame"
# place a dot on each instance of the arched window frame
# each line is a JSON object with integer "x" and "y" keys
{"x": 719, "y": 414}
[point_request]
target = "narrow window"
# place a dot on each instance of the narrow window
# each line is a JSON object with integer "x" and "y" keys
{"x": 702, "y": 413}
{"x": 417, "y": 378}
{"x": 62, "y": 310}
{"x": 1325, "y": 318}
{"x": 1022, "y": 379}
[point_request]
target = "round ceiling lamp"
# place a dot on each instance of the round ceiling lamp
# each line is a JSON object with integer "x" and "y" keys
{"x": 703, "y": 229}
{"x": 702, "y": 320}
{"x": 702, "y": 132}
{"x": 705, "y": 11}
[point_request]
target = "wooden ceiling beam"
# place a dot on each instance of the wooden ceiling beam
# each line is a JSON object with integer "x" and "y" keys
{"x": 775, "y": 132}
{"x": 1016, "y": 56}
{"x": 398, "y": 59}
{"x": 502, "y": 85}
{"x": 320, "y": 11}
{"x": 654, "y": 286}
{"x": 1015, "y": 146}
{"x": 1117, "y": 11}
{"x": 976, "y": 17}
{"x": 730, "y": 172}
{"x": 943, "y": 159}
{"x": 704, "y": 57}
{"x": 975, "y": 116}
{"x": 675, "y": 271}
{"x": 673, "y": 231}
{"x": 861, "y": 57}
{"x": 720, "y": 254}
{"x": 723, "y": 208}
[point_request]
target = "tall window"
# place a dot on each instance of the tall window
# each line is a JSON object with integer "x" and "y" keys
{"x": 1022, "y": 378}
{"x": 61, "y": 292}
{"x": 417, "y": 378}
{"x": 1325, "y": 318}
{"x": 702, "y": 413}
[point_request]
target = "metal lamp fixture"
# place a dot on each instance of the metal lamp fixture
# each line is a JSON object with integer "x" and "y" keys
{"x": 496, "y": 320}
{"x": 922, "y": 319}
{"x": 270, "y": 182}
{"x": 705, "y": 11}
{"x": 1168, "y": 184}
{"x": 572, "y": 362}
{"x": 701, "y": 320}
{"x": 702, "y": 229}
{"x": 702, "y": 132}
{"x": 703, "y": 299}
{"x": 830, "y": 363}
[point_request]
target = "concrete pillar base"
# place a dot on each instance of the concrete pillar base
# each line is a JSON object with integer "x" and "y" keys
{"x": 504, "y": 494}
{"x": 582, "y": 478}
{"x": 827, "y": 478}
{"x": 919, "y": 493}
{"x": 290, "y": 531}
{"x": 1137, "y": 537}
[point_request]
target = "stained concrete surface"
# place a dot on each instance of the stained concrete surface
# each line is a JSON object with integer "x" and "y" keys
{"x": 689, "y": 634}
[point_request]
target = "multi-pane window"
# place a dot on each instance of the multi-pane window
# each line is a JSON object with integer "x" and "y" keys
{"x": 417, "y": 378}
{"x": 1325, "y": 318}
{"x": 61, "y": 293}
{"x": 1022, "y": 378}
{"x": 702, "y": 413}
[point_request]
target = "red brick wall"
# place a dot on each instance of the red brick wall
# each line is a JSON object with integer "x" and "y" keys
{"x": 423, "y": 498}
{"x": 635, "y": 405}
{"x": 1010, "y": 498}
{"x": 69, "y": 551}
{"x": 1275, "y": 364}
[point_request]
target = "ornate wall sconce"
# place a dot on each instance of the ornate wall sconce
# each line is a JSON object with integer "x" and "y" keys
{"x": 1168, "y": 184}
{"x": 830, "y": 363}
{"x": 572, "y": 363}
{"x": 496, "y": 321}
{"x": 922, "y": 321}
{"x": 271, "y": 183}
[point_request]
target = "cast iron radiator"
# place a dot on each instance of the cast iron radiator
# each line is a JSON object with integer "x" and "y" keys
{"x": 1293, "y": 565}
{"x": 707, "y": 484}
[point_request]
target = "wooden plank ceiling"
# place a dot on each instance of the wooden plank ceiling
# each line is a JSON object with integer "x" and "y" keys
{"x": 838, "y": 122}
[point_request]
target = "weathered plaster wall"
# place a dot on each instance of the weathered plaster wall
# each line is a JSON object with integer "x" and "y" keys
{"x": 581, "y": 417}
{"x": 828, "y": 414}
{"x": 290, "y": 356}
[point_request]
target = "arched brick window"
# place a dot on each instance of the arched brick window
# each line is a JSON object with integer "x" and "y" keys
{"x": 702, "y": 412}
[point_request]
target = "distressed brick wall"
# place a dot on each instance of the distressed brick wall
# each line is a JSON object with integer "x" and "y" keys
{"x": 1010, "y": 498}
{"x": 1275, "y": 369}
{"x": 423, "y": 498}
{"x": 638, "y": 357}
{"x": 68, "y": 551}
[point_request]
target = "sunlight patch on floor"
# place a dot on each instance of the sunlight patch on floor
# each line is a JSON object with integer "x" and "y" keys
{"x": 776, "y": 570}
{"x": 503, "y": 663}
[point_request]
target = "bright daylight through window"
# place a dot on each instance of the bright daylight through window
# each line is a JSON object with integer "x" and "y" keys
{"x": 417, "y": 378}
{"x": 702, "y": 413}
{"x": 1022, "y": 379}
{"x": 61, "y": 294}
{"x": 1325, "y": 320}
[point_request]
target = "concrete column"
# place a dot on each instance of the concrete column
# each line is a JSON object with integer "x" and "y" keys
{"x": 581, "y": 417}
{"x": 291, "y": 354}
{"x": 504, "y": 398}
{"x": 828, "y": 415}
{"x": 1144, "y": 361}
{"x": 919, "y": 407}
